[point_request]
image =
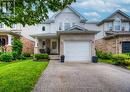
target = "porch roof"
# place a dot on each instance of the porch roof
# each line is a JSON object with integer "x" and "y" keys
{"x": 9, "y": 32}
{"x": 77, "y": 29}
{"x": 45, "y": 35}
{"x": 117, "y": 35}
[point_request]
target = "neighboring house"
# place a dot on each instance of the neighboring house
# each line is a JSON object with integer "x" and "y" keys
{"x": 115, "y": 33}
{"x": 6, "y": 37}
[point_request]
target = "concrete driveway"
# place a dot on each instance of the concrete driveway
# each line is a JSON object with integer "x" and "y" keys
{"x": 76, "y": 77}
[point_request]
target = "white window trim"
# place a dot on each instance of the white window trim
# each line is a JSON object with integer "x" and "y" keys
{"x": 115, "y": 24}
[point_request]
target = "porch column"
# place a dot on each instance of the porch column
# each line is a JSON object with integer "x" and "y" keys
{"x": 36, "y": 50}
{"x": 9, "y": 40}
{"x": 9, "y": 45}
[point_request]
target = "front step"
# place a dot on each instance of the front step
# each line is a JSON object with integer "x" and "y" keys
{"x": 54, "y": 57}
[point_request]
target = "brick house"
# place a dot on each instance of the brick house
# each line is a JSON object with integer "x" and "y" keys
{"x": 115, "y": 34}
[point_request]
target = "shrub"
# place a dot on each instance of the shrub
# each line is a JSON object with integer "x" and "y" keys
{"x": 14, "y": 55}
{"x": 6, "y": 57}
{"x": 41, "y": 56}
{"x": 105, "y": 61}
{"x": 17, "y": 46}
{"x": 22, "y": 57}
{"x": 27, "y": 54}
{"x": 103, "y": 55}
{"x": 121, "y": 59}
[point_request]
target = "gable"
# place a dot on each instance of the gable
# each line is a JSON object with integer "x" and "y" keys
{"x": 118, "y": 15}
{"x": 68, "y": 10}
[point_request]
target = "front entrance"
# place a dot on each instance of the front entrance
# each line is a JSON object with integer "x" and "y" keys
{"x": 77, "y": 51}
{"x": 54, "y": 46}
{"x": 126, "y": 47}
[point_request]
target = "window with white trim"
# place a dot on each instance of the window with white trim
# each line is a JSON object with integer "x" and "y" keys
{"x": 110, "y": 26}
{"x": 1, "y": 25}
{"x": 66, "y": 26}
{"x": 13, "y": 26}
{"x": 60, "y": 26}
{"x": 117, "y": 24}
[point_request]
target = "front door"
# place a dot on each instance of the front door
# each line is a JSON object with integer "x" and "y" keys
{"x": 54, "y": 46}
{"x": 126, "y": 47}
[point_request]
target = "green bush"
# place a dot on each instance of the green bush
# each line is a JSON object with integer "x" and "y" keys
{"x": 27, "y": 54}
{"x": 105, "y": 61}
{"x": 17, "y": 47}
{"x": 6, "y": 57}
{"x": 121, "y": 59}
{"x": 22, "y": 57}
{"x": 103, "y": 55}
{"x": 14, "y": 54}
{"x": 41, "y": 56}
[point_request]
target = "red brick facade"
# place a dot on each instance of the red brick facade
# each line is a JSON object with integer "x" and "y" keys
{"x": 28, "y": 45}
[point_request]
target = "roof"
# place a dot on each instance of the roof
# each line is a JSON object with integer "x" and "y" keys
{"x": 10, "y": 32}
{"x": 79, "y": 29}
{"x": 45, "y": 35}
{"x": 115, "y": 34}
{"x": 76, "y": 27}
{"x": 52, "y": 19}
{"x": 108, "y": 18}
{"x": 67, "y": 31}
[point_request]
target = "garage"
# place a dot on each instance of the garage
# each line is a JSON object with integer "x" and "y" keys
{"x": 77, "y": 51}
{"x": 126, "y": 47}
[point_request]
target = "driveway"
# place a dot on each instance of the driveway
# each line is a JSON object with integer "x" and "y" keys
{"x": 77, "y": 77}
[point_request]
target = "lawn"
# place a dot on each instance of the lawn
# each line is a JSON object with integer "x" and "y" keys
{"x": 20, "y": 76}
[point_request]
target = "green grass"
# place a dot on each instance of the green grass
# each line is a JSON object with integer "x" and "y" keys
{"x": 20, "y": 76}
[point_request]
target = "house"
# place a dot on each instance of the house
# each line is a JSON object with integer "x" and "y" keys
{"x": 6, "y": 37}
{"x": 66, "y": 34}
{"x": 114, "y": 35}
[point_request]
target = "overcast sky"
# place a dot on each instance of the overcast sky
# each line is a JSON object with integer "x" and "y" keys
{"x": 96, "y": 10}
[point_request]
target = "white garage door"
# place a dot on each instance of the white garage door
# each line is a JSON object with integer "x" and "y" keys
{"x": 77, "y": 51}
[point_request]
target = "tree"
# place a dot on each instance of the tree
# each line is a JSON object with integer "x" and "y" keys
{"x": 29, "y": 12}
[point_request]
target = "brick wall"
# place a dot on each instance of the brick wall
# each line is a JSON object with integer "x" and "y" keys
{"x": 28, "y": 45}
{"x": 113, "y": 45}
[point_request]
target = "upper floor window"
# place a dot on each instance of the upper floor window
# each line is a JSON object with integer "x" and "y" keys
{"x": 129, "y": 26}
{"x": 60, "y": 26}
{"x": 110, "y": 26}
{"x": 66, "y": 26}
{"x": 117, "y": 24}
{"x": 43, "y": 28}
{"x": 73, "y": 24}
{"x": 13, "y": 26}
{"x": 1, "y": 25}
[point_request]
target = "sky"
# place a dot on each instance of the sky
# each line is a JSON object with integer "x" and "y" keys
{"x": 96, "y": 10}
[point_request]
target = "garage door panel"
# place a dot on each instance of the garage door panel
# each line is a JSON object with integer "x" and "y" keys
{"x": 77, "y": 51}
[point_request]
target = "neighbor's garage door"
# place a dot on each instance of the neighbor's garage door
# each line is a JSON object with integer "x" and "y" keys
{"x": 77, "y": 51}
{"x": 126, "y": 47}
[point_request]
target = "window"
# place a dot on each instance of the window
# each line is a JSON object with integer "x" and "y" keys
{"x": 13, "y": 26}
{"x": 110, "y": 26}
{"x": 54, "y": 45}
{"x": 1, "y": 25}
{"x": 43, "y": 28}
{"x": 66, "y": 26}
{"x": 129, "y": 26}
{"x": 117, "y": 24}
{"x": 73, "y": 24}
{"x": 60, "y": 26}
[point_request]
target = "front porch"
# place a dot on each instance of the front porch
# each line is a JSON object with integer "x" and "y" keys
{"x": 6, "y": 39}
{"x": 47, "y": 44}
